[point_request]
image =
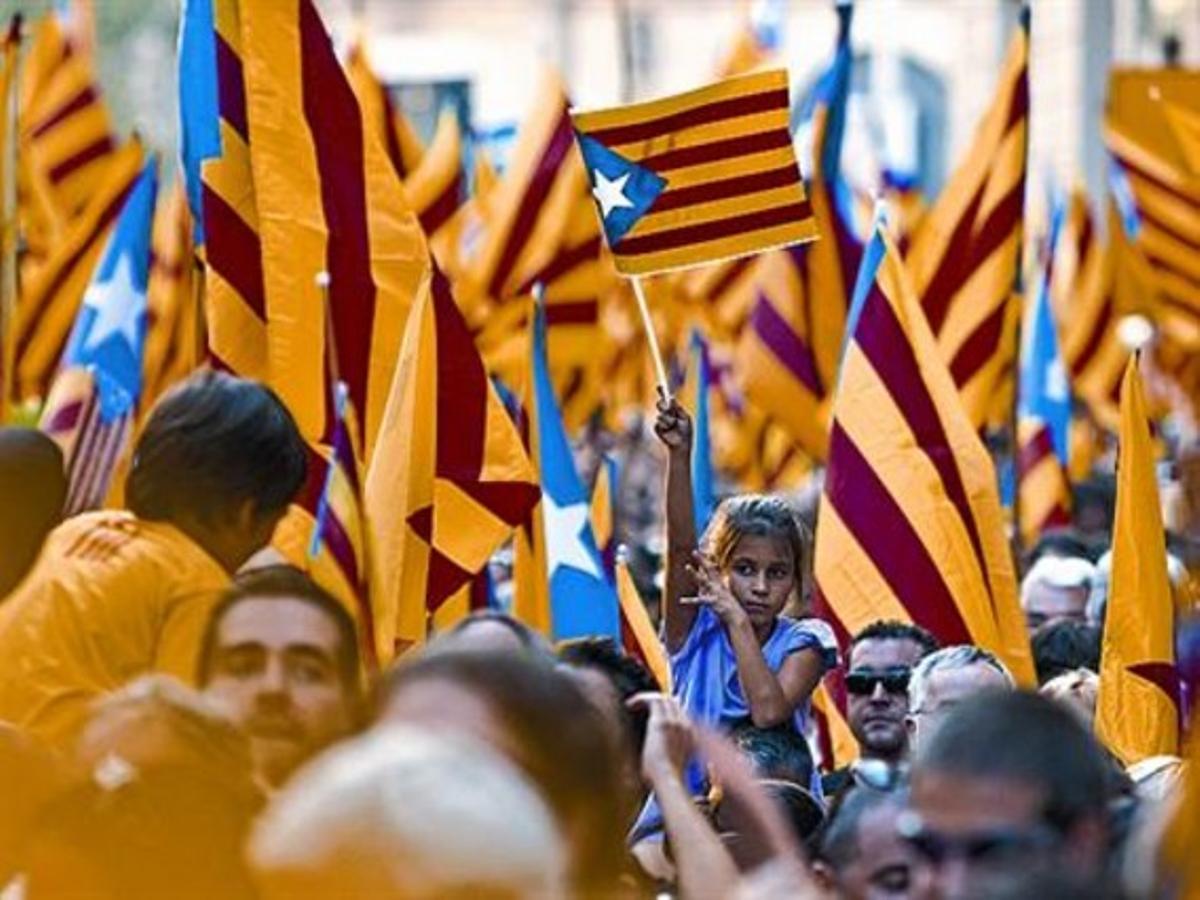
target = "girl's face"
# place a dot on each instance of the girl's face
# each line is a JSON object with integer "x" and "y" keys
{"x": 762, "y": 575}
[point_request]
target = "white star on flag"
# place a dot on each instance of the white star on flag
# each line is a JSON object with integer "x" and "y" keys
{"x": 564, "y": 527}
{"x": 116, "y": 313}
{"x": 610, "y": 194}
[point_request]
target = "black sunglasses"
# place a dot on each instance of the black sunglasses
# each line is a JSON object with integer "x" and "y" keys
{"x": 862, "y": 683}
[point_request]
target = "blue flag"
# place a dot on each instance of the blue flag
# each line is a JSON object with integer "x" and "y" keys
{"x": 703, "y": 490}
{"x": 1044, "y": 392}
{"x": 199, "y": 110}
{"x": 582, "y": 601}
{"x": 109, "y": 334}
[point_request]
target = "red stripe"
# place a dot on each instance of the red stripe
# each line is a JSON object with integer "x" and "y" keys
{"x": 949, "y": 273}
{"x": 29, "y": 320}
{"x": 566, "y": 259}
{"x": 880, "y": 527}
{"x": 438, "y": 212}
{"x": 1019, "y": 105}
{"x": 83, "y": 99}
{"x": 572, "y": 312}
{"x": 97, "y": 149}
{"x": 712, "y": 191}
{"x": 788, "y": 347}
{"x": 64, "y": 418}
{"x": 1096, "y": 336}
{"x": 1084, "y": 244}
{"x": 883, "y": 341}
{"x": 1134, "y": 169}
{"x": 1189, "y": 241}
{"x": 980, "y": 347}
{"x": 733, "y": 271}
{"x": 391, "y": 141}
{"x": 1166, "y": 267}
{"x": 331, "y": 112}
{"x": 461, "y": 390}
{"x": 717, "y": 151}
{"x": 717, "y": 111}
{"x": 532, "y": 202}
{"x": 1034, "y": 450}
{"x": 231, "y": 88}
{"x": 338, "y": 542}
{"x": 714, "y": 230}
{"x": 234, "y": 251}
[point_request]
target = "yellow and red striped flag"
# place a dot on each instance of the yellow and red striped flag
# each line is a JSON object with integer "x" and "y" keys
{"x": 1085, "y": 293}
{"x": 638, "y": 636}
{"x": 9, "y": 225}
{"x": 328, "y": 200}
{"x": 382, "y": 116}
{"x": 1042, "y": 481}
{"x": 1138, "y": 703}
{"x": 448, "y": 480}
{"x": 50, "y": 300}
{"x": 67, "y": 141}
{"x": 910, "y": 525}
{"x": 533, "y": 201}
{"x": 342, "y": 549}
{"x": 1164, "y": 199}
{"x": 435, "y": 188}
{"x": 1185, "y": 124}
{"x": 965, "y": 256}
{"x": 698, "y": 177}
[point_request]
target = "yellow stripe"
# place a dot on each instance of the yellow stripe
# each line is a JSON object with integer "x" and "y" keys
{"x": 1178, "y": 256}
{"x": 1006, "y": 171}
{"x": 231, "y": 178}
{"x": 236, "y": 335}
{"x": 710, "y": 251}
{"x": 643, "y": 631}
{"x": 699, "y": 135}
{"x": 757, "y": 83}
{"x": 716, "y": 210}
{"x": 1181, "y": 215}
{"x": 987, "y": 289}
{"x": 1126, "y": 147}
{"x": 730, "y": 168}
{"x": 849, "y": 580}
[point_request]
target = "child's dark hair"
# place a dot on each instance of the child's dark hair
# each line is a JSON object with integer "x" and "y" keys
{"x": 757, "y": 515}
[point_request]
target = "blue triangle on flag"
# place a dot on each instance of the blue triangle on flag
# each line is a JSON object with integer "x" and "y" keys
{"x": 633, "y": 187}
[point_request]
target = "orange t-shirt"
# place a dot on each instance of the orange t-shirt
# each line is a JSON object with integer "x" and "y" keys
{"x": 110, "y": 598}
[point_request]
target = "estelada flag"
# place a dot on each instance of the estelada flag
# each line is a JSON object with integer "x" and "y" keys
{"x": 698, "y": 177}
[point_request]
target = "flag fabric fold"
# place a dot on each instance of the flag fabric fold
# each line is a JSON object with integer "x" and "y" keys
{"x": 1138, "y": 702}
{"x": 910, "y": 525}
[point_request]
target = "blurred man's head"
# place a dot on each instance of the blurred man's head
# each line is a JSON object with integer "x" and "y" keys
{"x": 33, "y": 488}
{"x": 408, "y": 813}
{"x": 1008, "y": 784}
{"x": 882, "y": 657}
{"x": 491, "y": 631}
{"x": 281, "y": 656}
{"x": 1056, "y": 589}
{"x": 947, "y": 678}
{"x": 860, "y": 855}
{"x": 1065, "y": 646}
{"x": 220, "y": 458}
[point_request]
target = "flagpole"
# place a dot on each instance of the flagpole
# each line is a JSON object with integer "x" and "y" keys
{"x": 323, "y": 281}
{"x": 660, "y": 370}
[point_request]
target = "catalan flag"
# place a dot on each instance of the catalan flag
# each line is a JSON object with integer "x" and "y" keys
{"x": 603, "y": 513}
{"x": 560, "y": 582}
{"x": 67, "y": 140}
{"x": 1185, "y": 125}
{"x": 1086, "y": 298}
{"x": 449, "y": 478}
{"x": 172, "y": 311}
{"x": 92, "y": 404}
{"x": 328, "y": 199}
{"x": 341, "y": 551}
{"x": 8, "y": 225}
{"x": 436, "y": 187}
{"x": 638, "y": 636}
{"x": 1166, "y": 198}
{"x": 704, "y": 488}
{"x": 965, "y": 256}
{"x": 698, "y": 177}
{"x": 384, "y": 118}
{"x": 1044, "y": 411}
{"x": 532, "y": 202}
{"x": 1138, "y": 703}
{"x": 215, "y": 150}
{"x": 49, "y": 301}
{"x": 910, "y": 525}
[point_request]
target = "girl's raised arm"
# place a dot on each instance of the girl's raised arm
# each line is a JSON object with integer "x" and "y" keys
{"x": 674, "y": 428}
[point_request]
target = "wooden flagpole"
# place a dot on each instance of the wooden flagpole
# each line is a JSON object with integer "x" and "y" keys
{"x": 660, "y": 369}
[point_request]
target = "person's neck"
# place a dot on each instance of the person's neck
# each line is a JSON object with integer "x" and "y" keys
{"x": 210, "y": 540}
{"x": 892, "y": 758}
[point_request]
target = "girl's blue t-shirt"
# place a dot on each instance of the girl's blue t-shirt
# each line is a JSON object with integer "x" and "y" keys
{"x": 704, "y": 669}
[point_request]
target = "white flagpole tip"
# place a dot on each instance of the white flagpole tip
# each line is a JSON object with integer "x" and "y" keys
{"x": 622, "y": 554}
{"x": 322, "y": 279}
{"x": 539, "y": 293}
{"x": 881, "y": 215}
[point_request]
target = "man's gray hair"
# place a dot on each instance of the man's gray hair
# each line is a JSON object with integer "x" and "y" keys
{"x": 958, "y": 656}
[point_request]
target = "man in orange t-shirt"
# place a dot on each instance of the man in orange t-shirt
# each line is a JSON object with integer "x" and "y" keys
{"x": 118, "y": 594}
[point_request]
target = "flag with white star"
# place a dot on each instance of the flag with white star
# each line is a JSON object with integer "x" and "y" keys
{"x": 698, "y": 177}
{"x": 583, "y": 601}
{"x": 95, "y": 394}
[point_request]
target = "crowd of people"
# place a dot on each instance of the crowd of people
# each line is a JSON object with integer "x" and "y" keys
{"x": 182, "y": 717}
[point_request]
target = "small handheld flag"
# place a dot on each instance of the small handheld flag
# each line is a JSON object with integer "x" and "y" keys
{"x": 698, "y": 177}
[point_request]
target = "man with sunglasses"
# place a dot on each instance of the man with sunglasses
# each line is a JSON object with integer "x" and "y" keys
{"x": 881, "y": 659}
{"x": 1008, "y": 784}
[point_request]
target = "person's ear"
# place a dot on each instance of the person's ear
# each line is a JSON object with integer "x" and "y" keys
{"x": 824, "y": 876}
{"x": 910, "y": 726}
